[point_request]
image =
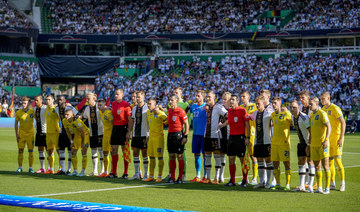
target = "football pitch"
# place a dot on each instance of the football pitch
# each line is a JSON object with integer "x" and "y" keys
{"x": 187, "y": 196}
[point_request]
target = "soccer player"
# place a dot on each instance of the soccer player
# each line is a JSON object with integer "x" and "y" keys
{"x": 338, "y": 127}
{"x": 301, "y": 123}
{"x": 133, "y": 99}
{"x": 304, "y": 99}
{"x": 176, "y": 138}
{"x": 224, "y": 135}
{"x": 212, "y": 139}
{"x": 121, "y": 112}
{"x": 52, "y": 131}
{"x": 280, "y": 143}
{"x": 267, "y": 95}
{"x": 40, "y": 137}
{"x": 155, "y": 117}
{"x": 107, "y": 120}
{"x": 199, "y": 123}
{"x": 319, "y": 144}
{"x": 25, "y": 133}
{"x": 250, "y": 109}
{"x": 263, "y": 136}
{"x": 78, "y": 134}
{"x": 139, "y": 128}
{"x": 96, "y": 127}
{"x": 238, "y": 121}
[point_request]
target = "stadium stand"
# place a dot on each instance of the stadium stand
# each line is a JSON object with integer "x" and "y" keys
{"x": 10, "y": 17}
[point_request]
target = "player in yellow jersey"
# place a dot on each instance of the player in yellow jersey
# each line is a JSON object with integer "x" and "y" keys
{"x": 280, "y": 143}
{"x": 319, "y": 144}
{"x": 25, "y": 133}
{"x": 338, "y": 127}
{"x": 52, "y": 131}
{"x": 107, "y": 120}
{"x": 155, "y": 148}
{"x": 250, "y": 109}
{"x": 79, "y": 136}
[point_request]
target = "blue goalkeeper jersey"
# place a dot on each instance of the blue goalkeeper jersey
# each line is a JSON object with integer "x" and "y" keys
{"x": 199, "y": 118}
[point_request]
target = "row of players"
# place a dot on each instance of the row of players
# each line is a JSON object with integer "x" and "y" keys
{"x": 262, "y": 129}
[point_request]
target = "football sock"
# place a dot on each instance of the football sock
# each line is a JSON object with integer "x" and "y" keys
{"x": 319, "y": 177}
{"x": 208, "y": 166}
{"x": 62, "y": 159}
{"x": 136, "y": 164}
{"x": 74, "y": 161}
{"x": 255, "y": 167}
{"x": 172, "y": 168}
{"x": 42, "y": 159}
{"x": 269, "y": 172}
{"x": 146, "y": 166}
{"x": 114, "y": 162}
{"x": 217, "y": 166}
{"x": 101, "y": 154}
{"x": 327, "y": 179}
{"x": 95, "y": 160}
{"x": 222, "y": 169}
{"x": 277, "y": 175}
{"x": 181, "y": 168}
{"x": 52, "y": 161}
{"x": 84, "y": 162}
{"x": 31, "y": 158}
{"x": 20, "y": 158}
{"x": 152, "y": 166}
{"x": 232, "y": 169}
{"x": 262, "y": 172}
{"x": 185, "y": 161}
{"x": 307, "y": 176}
{"x": 126, "y": 166}
{"x": 311, "y": 175}
{"x": 204, "y": 165}
{"x": 288, "y": 176}
{"x": 198, "y": 165}
{"x": 69, "y": 160}
{"x": 302, "y": 175}
{"x": 161, "y": 166}
{"x": 340, "y": 168}
{"x": 332, "y": 169}
{"x": 106, "y": 162}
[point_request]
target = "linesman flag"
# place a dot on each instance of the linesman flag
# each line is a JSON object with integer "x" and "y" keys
{"x": 127, "y": 153}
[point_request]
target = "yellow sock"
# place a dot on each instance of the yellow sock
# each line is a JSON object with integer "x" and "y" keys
{"x": 84, "y": 162}
{"x": 152, "y": 166}
{"x": 340, "y": 167}
{"x": 327, "y": 179}
{"x": 20, "y": 158}
{"x": 255, "y": 166}
{"x": 319, "y": 177}
{"x": 31, "y": 158}
{"x": 161, "y": 166}
{"x": 277, "y": 175}
{"x": 332, "y": 169}
{"x": 106, "y": 163}
{"x": 288, "y": 176}
{"x": 74, "y": 161}
{"x": 51, "y": 161}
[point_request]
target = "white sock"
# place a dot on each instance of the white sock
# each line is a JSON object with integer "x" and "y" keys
{"x": 269, "y": 172}
{"x": 312, "y": 176}
{"x": 222, "y": 169}
{"x": 261, "y": 172}
{"x": 208, "y": 166}
{"x": 136, "y": 165}
{"x": 95, "y": 160}
{"x": 42, "y": 159}
{"x": 217, "y": 166}
{"x": 146, "y": 165}
{"x": 69, "y": 160}
{"x": 302, "y": 174}
{"x": 62, "y": 159}
{"x": 101, "y": 153}
{"x": 307, "y": 176}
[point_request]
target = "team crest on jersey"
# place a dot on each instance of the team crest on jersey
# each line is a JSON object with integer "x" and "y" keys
{"x": 329, "y": 112}
{"x": 317, "y": 117}
{"x": 235, "y": 119}
{"x": 31, "y": 116}
{"x": 118, "y": 112}
{"x": 174, "y": 118}
{"x": 150, "y": 120}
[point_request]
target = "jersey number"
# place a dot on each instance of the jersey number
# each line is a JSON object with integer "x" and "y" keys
{"x": 287, "y": 154}
{"x": 250, "y": 108}
{"x": 282, "y": 116}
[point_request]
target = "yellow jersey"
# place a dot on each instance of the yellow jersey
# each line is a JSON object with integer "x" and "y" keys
{"x": 26, "y": 120}
{"x": 156, "y": 122}
{"x": 318, "y": 128}
{"x": 52, "y": 120}
{"x": 107, "y": 119}
{"x": 250, "y": 109}
{"x": 75, "y": 126}
{"x": 281, "y": 122}
{"x": 334, "y": 113}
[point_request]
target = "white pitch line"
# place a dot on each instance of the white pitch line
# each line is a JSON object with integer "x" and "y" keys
{"x": 130, "y": 187}
{"x": 355, "y": 153}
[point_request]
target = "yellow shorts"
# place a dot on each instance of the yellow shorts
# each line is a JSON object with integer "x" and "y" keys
{"x": 26, "y": 139}
{"x": 250, "y": 146}
{"x": 155, "y": 146}
{"x": 77, "y": 140}
{"x": 280, "y": 152}
{"x": 106, "y": 146}
{"x": 317, "y": 153}
{"x": 52, "y": 140}
{"x": 335, "y": 150}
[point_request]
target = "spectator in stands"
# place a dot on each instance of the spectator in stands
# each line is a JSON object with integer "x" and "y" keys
{"x": 9, "y": 17}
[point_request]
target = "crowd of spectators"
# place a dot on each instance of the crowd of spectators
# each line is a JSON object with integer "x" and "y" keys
{"x": 19, "y": 73}
{"x": 314, "y": 14}
{"x": 10, "y": 17}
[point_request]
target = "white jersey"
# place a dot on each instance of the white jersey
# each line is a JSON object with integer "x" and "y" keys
{"x": 263, "y": 128}
{"x": 40, "y": 119}
{"x": 302, "y": 124}
{"x": 94, "y": 119}
{"x": 141, "y": 125}
{"x": 213, "y": 120}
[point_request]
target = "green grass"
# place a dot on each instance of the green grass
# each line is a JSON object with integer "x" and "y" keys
{"x": 189, "y": 196}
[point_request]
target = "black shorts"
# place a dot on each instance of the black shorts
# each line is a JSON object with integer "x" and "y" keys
{"x": 96, "y": 141}
{"x": 174, "y": 143}
{"x": 118, "y": 135}
{"x": 236, "y": 146}
{"x": 224, "y": 145}
{"x": 262, "y": 150}
{"x": 301, "y": 150}
{"x": 211, "y": 144}
{"x": 40, "y": 139}
{"x": 139, "y": 142}
{"x": 64, "y": 141}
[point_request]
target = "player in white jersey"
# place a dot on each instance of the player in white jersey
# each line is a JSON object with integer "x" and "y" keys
{"x": 225, "y": 132}
{"x": 212, "y": 139}
{"x": 40, "y": 137}
{"x": 263, "y": 136}
{"x": 139, "y": 127}
{"x": 301, "y": 122}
